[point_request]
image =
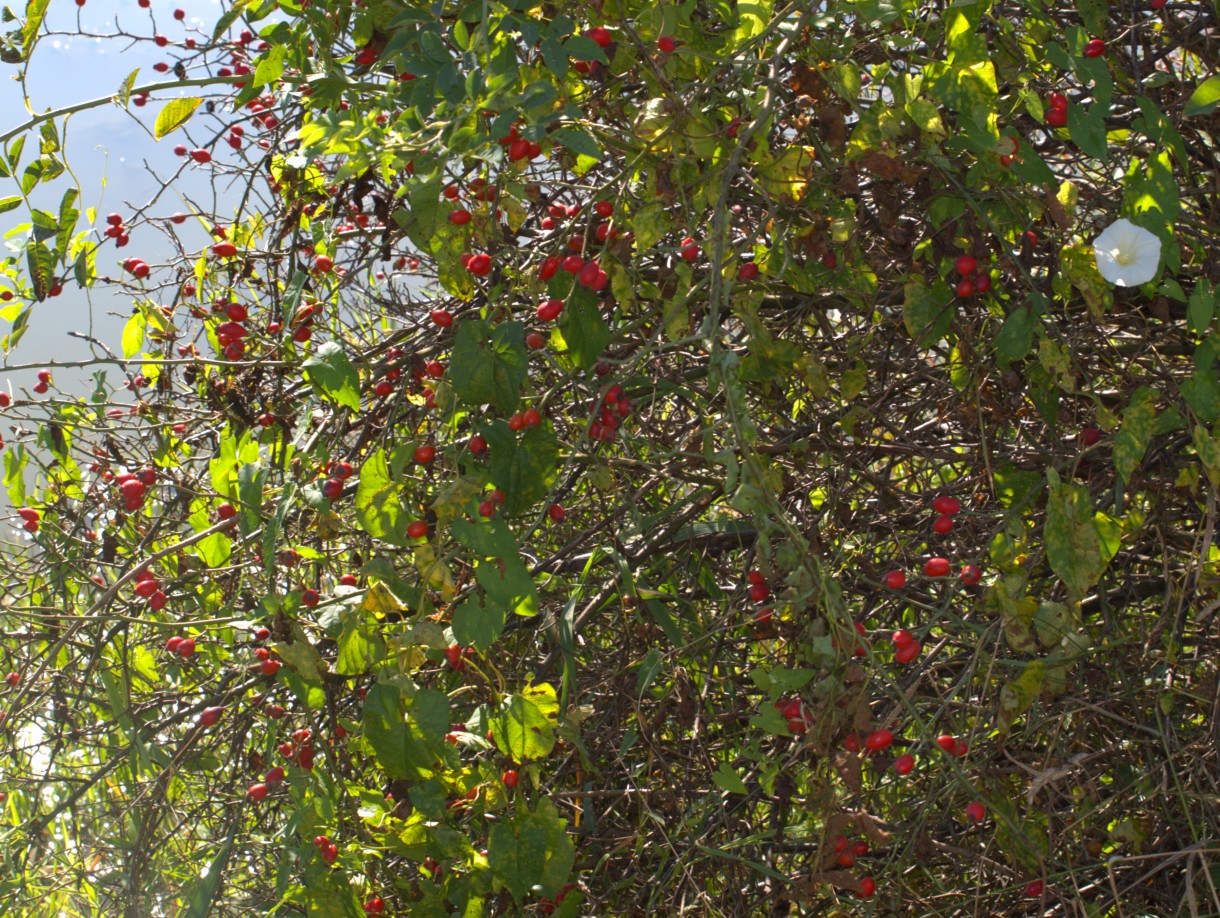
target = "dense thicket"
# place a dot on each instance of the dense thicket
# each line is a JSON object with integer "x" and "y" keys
{"x": 626, "y": 458}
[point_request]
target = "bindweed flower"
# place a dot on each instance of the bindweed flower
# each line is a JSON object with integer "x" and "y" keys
{"x": 1127, "y": 255}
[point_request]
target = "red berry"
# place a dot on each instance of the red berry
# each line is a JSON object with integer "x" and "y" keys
{"x": 902, "y": 638}
{"x": 982, "y": 282}
{"x": 332, "y": 488}
{"x": 556, "y": 513}
{"x": 600, "y": 35}
{"x": 535, "y": 341}
{"x": 309, "y": 598}
{"x": 1095, "y": 47}
{"x": 550, "y": 310}
{"x": 965, "y": 288}
{"x": 943, "y": 525}
{"x": 442, "y": 318}
{"x": 1033, "y": 889}
{"x": 965, "y": 265}
{"x": 1090, "y": 436}
{"x": 689, "y": 250}
{"x": 851, "y": 742}
{"x": 510, "y": 778}
{"x": 173, "y": 643}
{"x": 756, "y": 577}
{"x": 666, "y": 44}
{"x": 868, "y": 886}
{"x": 936, "y": 567}
{"x": 417, "y": 530}
{"x": 947, "y": 506}
{"x": 878, "y": 740}
{"x": 846, "y": 859}
{"x": 257, "y": 792}
{"x": 975, "y": 811}
{"x": 904, "y": 764}
{"x": 269, "y": 667}
{"x": 747, "y": 271}
{"x": 425, "y": 454}
{"x": 1057, "y": 117}
{"x": 859, "y": 847}
{"x": 1059, "y": 100}
{"x": 908, "y": 653}
{"x": 479, "y": 265}
{"x": 210, "y": 716}
{"x": 759, "y": 592}
{"x": 201, "y": 156}
{"x": 477, "y": 444}
{"x": 971, "y": 575}
{"x": 946, "y": 742}
{"x": 895, "y": 580}
{"x": 459, "y": 217}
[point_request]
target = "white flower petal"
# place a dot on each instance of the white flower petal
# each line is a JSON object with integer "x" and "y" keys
{"x": 1127, "y": 255}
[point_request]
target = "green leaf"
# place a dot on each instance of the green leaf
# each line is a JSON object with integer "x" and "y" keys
{"x": 201, "y": 899}
{"x": 927, "y": 312}
{"x": 332, "y": 375}
{"x": 379, "y": 509}
{"x": 489, "y": 365}
{"x": 124, "y": 93}
{"x": 174, "y": 115}
{"x": 521, "y": 728}
{"x": 584, "y": 330}
{"x": 753, "y": 16}
{"x": 524, "y": 467}
{"x": 1018, "y": 695}
{"x": 271, "y": 67}
{"x": 726, "y": 778}
{"x": 361, "y": 646}
{"x": 555, "y": 57}
{"x": 41, "y": 262}
{"x": 398, "y": 746}
{"x": 1204, "y": 99}
{"x": 578, "y": 140}
{"x": 650, "y": 224}
{"x": 1072, "y": 545}
{"x": 1131, "y": 441}
{"x": 1086, "y": 126}
{"x": 1016, "y": 336}
{"x": 531, "y": 849}
{"x": 1202, "y": 307}
{"x": 133, "y": 335}
{"x": 584, "y": 48}
{"x": 478, "y": 624}
{"x": 35, "y": 10}
{"x": 10, "y": 203}
{"x": 1206, "y": 447}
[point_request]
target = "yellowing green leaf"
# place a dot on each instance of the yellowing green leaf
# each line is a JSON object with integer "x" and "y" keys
{"x": 174, "y": 115}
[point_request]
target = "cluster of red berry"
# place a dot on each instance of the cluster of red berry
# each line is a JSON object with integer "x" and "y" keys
{"x": 148, "y": 587}
{"x": 610, "y": 410}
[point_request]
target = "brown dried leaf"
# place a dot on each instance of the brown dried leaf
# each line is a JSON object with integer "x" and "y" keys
{"x": 840, "y": 879}
{"x": 850, "y": 768}
{"x": 806, "y": 81}
{"x": 833, "y": 125}
{"x": 888, "y": 168}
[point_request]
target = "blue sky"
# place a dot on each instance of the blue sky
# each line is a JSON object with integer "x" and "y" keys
{"x": 107, "y": 148}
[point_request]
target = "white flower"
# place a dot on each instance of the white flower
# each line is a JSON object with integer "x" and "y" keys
{"x": 1127, "y": 255}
